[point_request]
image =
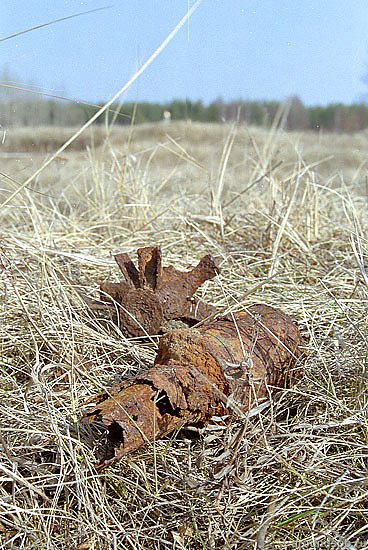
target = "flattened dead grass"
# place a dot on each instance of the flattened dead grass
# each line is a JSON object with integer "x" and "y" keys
{"x": 293, "y": 474}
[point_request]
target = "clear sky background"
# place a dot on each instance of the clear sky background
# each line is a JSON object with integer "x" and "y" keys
{"x": 249, "y": 49}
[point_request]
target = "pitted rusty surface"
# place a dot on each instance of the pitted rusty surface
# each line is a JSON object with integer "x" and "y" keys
{"x": 246, "y": 356}
{"x": 151, "y": 295}
{"x": 256, "y": 350}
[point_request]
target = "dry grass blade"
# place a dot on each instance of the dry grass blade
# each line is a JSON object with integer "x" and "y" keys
{"x": 61, "y": 19}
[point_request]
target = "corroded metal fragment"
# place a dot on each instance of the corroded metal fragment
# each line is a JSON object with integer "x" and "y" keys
{"x": 226, "y": 365}
{"x": 152, "y": 295}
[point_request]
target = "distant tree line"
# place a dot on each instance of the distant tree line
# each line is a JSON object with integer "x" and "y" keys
{"x": 292, "y": 114}
{"x": 19, "y": 107}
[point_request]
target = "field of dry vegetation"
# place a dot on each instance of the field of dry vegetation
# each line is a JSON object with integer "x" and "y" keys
{"x": 285, "y": 215}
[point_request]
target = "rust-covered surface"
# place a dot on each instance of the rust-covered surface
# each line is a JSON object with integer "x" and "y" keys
{"x": 151, "y": 295}
{"x": 226, "y": 364}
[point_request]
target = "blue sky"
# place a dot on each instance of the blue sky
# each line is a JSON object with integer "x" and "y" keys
{"x": 250, "y": 49}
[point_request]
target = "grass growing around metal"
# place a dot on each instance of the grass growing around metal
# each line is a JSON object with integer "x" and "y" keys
{"x": 285, "y": 215}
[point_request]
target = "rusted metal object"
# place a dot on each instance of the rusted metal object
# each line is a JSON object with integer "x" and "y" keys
{"x": 152, "y": 295}
{"x": 227, "y": 364}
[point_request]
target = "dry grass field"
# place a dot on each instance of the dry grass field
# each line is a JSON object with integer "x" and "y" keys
{"x": 285, "y": 215}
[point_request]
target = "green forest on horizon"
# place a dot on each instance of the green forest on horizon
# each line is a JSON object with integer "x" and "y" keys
{"x": 17, "y": 110}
